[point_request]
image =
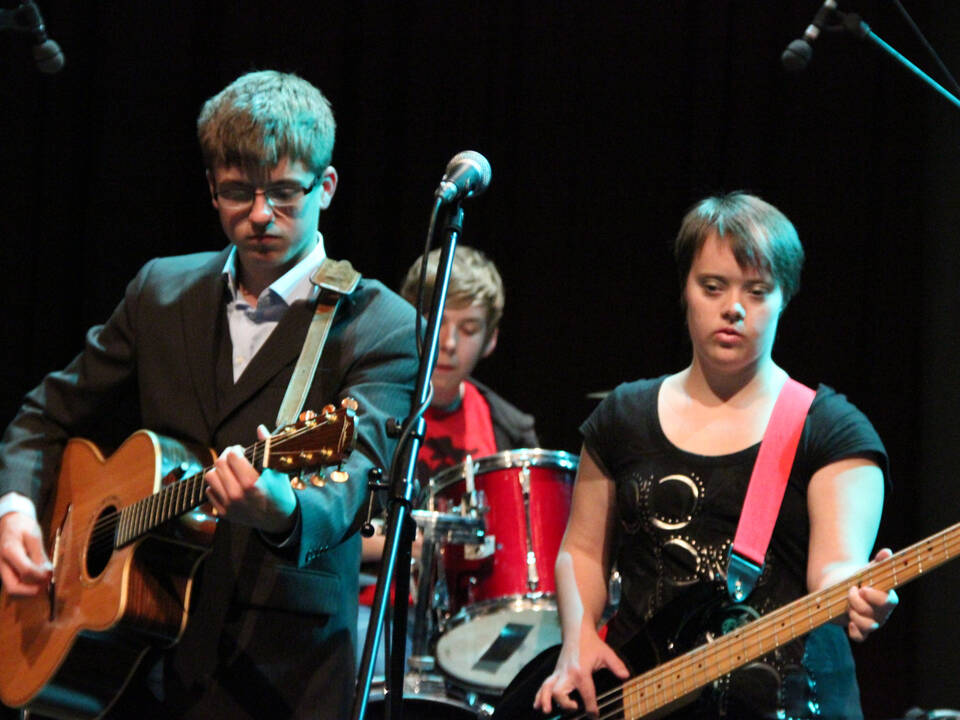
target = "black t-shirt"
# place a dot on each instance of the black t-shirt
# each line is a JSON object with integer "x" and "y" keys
{"x": 676, "y": 515}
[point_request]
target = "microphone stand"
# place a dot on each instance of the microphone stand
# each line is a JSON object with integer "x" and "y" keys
{"x": 400, "y": 528}
{"x": 14, "y": 19}
{"x": 852, "y": 23}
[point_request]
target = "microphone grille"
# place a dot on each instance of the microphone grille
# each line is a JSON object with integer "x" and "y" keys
{"x": 797, "y": 56}
{"x": 478, "y": 161}
{"x": 48, "y": 56}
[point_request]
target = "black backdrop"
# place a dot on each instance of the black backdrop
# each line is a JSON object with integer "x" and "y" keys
{"x": 602, "y": 124}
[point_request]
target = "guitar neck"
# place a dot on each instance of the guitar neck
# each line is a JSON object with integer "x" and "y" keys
{"x": 683, "y": 675}
{"x": 173, "y": 500}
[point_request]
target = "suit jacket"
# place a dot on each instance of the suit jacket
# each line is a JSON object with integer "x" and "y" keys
{"x": 272, "y": 629}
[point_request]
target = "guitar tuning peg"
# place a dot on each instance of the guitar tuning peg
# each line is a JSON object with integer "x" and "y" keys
{"x": 329, "y": 413}
{"x": 307, "y": 416}
{"x": 317, "y": 480}
{"x": 339, "y": 476}
{"x": 348, "y": 403}
{"x": 297, "y": 483}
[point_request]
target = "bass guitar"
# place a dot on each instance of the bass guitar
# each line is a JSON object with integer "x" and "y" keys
{"x": 122, "y": 570}
{"x": 674, "y": 680}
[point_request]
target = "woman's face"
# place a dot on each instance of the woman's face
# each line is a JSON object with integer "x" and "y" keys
{"x": 732, "y": 311}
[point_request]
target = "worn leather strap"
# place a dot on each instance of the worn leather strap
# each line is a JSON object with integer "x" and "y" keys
{"x": 334, "y": 278}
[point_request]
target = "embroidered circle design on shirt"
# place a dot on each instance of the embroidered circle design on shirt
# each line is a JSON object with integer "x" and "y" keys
{"x": 673, "y": 501}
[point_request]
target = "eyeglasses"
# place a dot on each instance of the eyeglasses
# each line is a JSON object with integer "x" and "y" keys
{"x": 282, "y": 196}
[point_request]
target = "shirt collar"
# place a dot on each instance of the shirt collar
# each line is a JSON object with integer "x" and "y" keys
{"x": 293, "y": 285}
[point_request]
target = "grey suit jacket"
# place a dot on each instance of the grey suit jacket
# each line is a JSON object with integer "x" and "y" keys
{"x": 272, "y": 629}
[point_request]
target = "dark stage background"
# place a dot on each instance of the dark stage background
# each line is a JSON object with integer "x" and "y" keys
{"x": 602, "y": 126}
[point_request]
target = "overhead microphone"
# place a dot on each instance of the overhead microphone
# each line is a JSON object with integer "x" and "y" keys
{"x": 468, "y": 173}
{"x": 26, "y": 18}
{"x": 798, "y": 53}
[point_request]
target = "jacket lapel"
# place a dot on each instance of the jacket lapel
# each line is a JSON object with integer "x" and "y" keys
{"x": 279, "y": 352}
{"x": 202, "y": 315}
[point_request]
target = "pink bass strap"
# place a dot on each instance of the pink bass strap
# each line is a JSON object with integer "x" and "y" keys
{"x": 768, "y": 482}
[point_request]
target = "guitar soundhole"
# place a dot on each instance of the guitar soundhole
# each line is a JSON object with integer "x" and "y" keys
{"x": 101, "y": 541}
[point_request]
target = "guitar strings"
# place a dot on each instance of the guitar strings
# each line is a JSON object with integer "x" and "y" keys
{"x": 883, "y": 576}
{"x": 104, "y": 530}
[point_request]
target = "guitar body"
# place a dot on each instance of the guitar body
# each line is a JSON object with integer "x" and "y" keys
{"x": 694, "y": 618}
{"x": 70, "y": 651}
{"x": 724, "y": 638}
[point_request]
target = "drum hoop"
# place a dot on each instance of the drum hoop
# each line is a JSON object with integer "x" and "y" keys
{"x": 538, "y": 602}
{"x": 533, "y": 457}
{"x": 378, "y": 694}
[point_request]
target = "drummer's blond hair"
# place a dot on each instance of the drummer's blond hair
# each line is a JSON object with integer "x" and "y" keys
{"x": 474, "y": 280}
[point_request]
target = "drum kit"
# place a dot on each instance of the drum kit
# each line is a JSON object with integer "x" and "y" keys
{"x": 485, "y": 600}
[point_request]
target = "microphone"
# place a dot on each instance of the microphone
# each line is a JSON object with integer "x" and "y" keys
{"x": 46, "y": 52}
{"x": 798, "y": 53}
{"x": 468, "y": 173}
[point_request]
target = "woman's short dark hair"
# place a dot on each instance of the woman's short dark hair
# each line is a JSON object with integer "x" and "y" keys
{"x": 760, "y": 237}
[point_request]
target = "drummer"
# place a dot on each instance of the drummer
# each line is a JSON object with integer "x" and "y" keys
{"x": 465, "y": 416}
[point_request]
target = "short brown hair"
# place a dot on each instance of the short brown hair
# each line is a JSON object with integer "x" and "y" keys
{"x": 760, "y": 236}
{"x": 264, "y": 116}
{"x": 474, "y": 280}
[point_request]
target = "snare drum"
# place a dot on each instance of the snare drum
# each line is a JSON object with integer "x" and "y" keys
{"x": 501, "y": 609}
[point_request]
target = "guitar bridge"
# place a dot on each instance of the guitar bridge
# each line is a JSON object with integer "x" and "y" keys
{"x": 55, "y": 561}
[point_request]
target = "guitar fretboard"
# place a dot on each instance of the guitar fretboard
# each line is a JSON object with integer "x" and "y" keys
{"x": 146, "y": 515}
{"x": 683, "y": 675}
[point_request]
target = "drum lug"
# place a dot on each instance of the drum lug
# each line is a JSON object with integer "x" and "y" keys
{"x": 471, "y": 589}
{"x": 533, "y": 578}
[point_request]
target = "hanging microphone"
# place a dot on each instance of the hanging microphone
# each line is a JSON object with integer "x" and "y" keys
{"x": 468, "y": 173}
{"x": 27, "y": 19}
{"x": 798, "y": 53}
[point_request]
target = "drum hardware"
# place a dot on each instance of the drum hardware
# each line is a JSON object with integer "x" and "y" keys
{"x": 424, "y": 699}
{"x": 450, "y": 528}
{"x": 494, "y": 602}
{"x": 533, "y": 579}
{"x": 375, "y": 483}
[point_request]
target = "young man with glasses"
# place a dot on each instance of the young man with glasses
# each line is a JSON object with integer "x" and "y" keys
{"x": 204, "y": 347}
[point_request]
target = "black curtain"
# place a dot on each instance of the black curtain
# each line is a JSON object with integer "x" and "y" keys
{"x": 603, "y": 122}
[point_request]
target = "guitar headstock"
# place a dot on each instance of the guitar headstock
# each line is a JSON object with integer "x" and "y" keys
{"x": 314, "y": 440}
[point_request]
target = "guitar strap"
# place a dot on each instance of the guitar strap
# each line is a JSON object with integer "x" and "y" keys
{"x": 768, "y": 482}
{"x": 334, "y": 278}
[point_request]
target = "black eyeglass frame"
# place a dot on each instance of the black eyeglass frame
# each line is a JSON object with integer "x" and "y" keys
{"x": 304, "y": 190}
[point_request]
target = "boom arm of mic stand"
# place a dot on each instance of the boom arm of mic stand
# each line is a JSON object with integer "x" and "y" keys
{"x": 859, "y": 29}
{"x": 401, "y": 500}
{"x": 7, "y": 19}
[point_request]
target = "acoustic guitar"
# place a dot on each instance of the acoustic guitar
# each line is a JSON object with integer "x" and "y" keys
{"x": 124, "y": 560}
{"x": 674, "y": 678}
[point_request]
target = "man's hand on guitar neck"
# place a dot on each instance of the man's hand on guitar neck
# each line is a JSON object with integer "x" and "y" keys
{"x": 24, "y": 566}
{"x": 243, "y": 495}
